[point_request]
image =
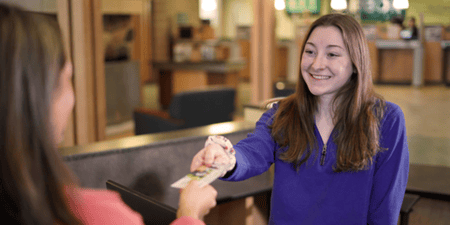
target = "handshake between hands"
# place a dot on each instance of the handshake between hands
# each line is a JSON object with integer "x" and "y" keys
{"x": 197, "y": 197}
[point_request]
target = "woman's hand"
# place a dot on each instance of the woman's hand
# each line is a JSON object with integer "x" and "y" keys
{"x": 218, "y": 150}
{"x": 210, "y": 154}
{"x": 196, "y": 202}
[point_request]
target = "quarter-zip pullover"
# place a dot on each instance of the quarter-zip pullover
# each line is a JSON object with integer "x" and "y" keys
{"x": 315, "y": 194}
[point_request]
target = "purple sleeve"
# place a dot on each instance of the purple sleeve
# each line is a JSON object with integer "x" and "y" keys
{"x": 391, "y": 169}
{"x": 255, "y": 154}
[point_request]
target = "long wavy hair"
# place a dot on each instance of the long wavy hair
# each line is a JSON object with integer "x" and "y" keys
{"x": 357, "y": 109}
{"x": 33, "y": 178}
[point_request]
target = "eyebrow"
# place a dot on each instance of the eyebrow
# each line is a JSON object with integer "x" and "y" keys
{"x": 328, "y": 46}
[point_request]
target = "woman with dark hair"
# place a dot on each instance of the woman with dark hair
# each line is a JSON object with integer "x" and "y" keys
{"x": 36, "y": 96}
{"x": 340, "y": 151}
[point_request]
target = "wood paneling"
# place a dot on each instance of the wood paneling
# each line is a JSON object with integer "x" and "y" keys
{"x": 185, "y": 80}
{"x": 83, "y": 70}
{"x": 280, "y": 63}
{"x": 262, "y": 50}
{"x": 433, "y": 62}
{"x": 145, "y": 33}
{"x": 246, "y": 54}
{"x": 373, "y": 51}
{"x": 396, "y": 65}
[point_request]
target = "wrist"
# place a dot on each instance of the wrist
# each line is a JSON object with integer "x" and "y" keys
{"x": 187, "y": 212}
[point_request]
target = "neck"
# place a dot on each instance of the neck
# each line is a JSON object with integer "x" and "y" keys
{"x": 325, "y": 107}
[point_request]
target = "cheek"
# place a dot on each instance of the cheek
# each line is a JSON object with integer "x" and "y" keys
{"x": 304, "y": 65}
{"x": 344, "y": 69}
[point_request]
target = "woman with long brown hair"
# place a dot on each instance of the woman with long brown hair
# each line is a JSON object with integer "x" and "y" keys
{"x": 340, "y": 150}
{"x": 36, "y": 97}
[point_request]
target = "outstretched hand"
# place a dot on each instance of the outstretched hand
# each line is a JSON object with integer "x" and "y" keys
{"x": 218, "y": 150}
{"x": 210, "y": 154}
{"x": 196, "y": 201}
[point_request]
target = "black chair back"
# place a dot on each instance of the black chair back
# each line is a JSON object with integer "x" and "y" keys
{"x": 204, "y": 107}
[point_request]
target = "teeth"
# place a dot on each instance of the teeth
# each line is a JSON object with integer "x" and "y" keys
{"x": 321, "y": 77}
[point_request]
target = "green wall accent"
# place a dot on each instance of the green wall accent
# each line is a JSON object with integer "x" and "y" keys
{"x": 434, "y": 11}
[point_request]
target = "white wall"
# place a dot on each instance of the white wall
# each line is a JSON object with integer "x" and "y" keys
{"x": 236, "y": 13}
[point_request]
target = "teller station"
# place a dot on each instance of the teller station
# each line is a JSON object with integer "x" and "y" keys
{"x": 149, "y": 164}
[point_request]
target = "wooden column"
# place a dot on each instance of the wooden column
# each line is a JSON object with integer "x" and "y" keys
{"x": 262, "y": 49}
{"x": 88, "y": 62}
{"x": 99, "y": 72}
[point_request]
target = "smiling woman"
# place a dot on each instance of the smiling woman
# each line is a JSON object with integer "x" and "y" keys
{"x": 339, "y": 150}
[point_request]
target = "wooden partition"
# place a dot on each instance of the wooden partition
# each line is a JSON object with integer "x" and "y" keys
{"x": 395, "y": 66}
{"x": 373, "y": 51}
{"x": 280, "y": 63}
{"x": 433, "y": 62}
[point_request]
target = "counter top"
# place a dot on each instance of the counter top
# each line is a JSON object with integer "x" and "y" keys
{"x": 397, "y": 44}
{"x": 210, "y": 66}
{"x": 156, "y": 138}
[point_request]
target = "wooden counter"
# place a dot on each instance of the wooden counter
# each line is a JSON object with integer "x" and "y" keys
{"x": 400, "y": 61}
{"x": 178, "y": 77}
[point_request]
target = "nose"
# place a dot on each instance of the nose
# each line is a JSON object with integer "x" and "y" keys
{"x": 318, "y": 63}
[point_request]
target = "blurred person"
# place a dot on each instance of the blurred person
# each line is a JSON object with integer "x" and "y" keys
{"x": 37, "y": 98}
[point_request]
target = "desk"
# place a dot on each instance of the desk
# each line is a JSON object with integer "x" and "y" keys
{"x": 395, "y": 63}
{"x": 178, "y": 77}
{"x": 429, "y": 181}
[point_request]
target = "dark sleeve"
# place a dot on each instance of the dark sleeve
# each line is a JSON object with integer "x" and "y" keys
{"x": 391, "y": 170}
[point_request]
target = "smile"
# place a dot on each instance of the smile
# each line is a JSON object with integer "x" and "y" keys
{"x": 320, "y": 77}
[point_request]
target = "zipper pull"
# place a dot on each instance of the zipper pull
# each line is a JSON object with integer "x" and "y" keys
{"x": 324, "y": 152}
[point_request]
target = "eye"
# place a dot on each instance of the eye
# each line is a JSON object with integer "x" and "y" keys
{"x": 309, "y": 52}
{"x": 333, "y": 55}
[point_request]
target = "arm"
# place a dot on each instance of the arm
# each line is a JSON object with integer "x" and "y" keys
{"x": 391, "y": 170}
{"x": 255, "y": 154}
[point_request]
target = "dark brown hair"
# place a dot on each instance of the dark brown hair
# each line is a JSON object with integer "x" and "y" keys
{"x": 357, "y": 108}
{"x": 33, "y": 176}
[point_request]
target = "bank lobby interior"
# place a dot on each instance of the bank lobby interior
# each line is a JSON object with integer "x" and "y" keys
{"x": 139, "y": 55}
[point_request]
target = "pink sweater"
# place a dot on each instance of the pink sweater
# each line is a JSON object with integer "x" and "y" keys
{"x": 106, "y": 207}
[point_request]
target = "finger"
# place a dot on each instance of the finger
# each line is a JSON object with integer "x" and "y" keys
{"x": 197, "y": 160}
{"x": 210, "y": 155}
{"x": 212, "y": 190}
{"x": 196, "y": 182}
{"x": 221, "y": 159}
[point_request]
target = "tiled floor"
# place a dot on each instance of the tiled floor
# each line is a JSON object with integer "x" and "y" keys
{"x": 426, "y": 109}
{"x": 427, "y": 116}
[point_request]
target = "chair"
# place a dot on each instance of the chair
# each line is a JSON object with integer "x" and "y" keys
{"x": 187, "y": 110}
{"x": 152, "y": 211}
